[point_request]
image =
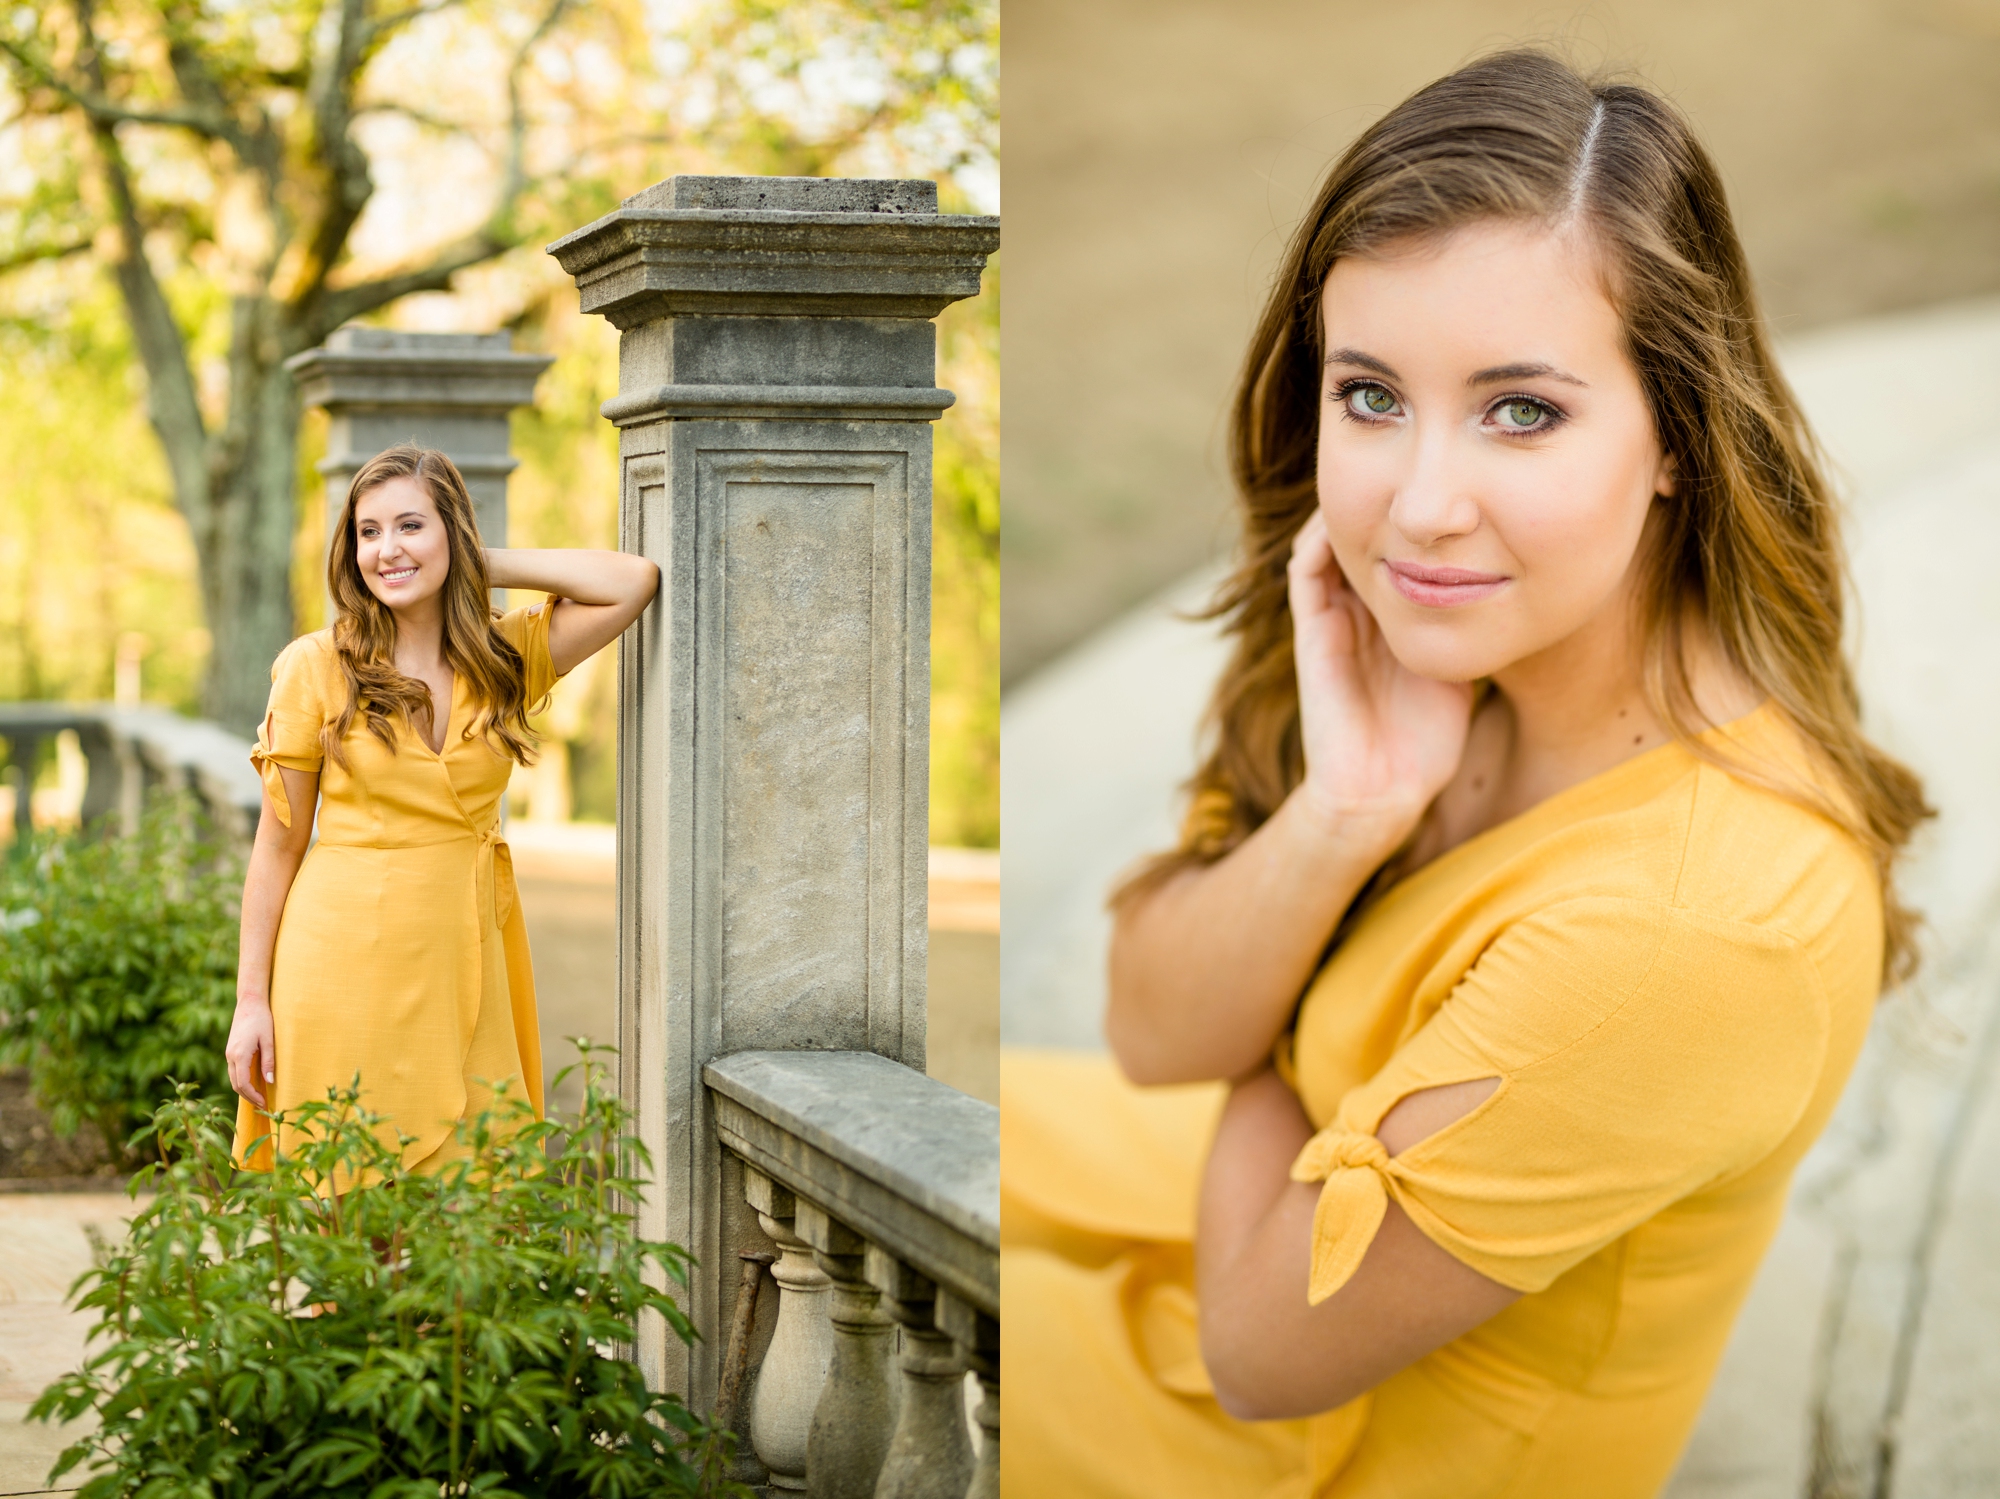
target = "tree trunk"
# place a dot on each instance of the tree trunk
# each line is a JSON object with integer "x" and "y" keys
{"x": 246, "y": 557}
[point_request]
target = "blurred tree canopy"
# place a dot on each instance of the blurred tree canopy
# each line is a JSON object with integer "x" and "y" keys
{"x": 192, "y": 191}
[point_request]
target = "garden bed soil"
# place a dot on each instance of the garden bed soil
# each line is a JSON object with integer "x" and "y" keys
{"x": 34, "y": 1158}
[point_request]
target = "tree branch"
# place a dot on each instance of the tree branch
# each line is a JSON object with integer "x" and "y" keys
{"x": 36, "y": 254}
{"x": 515, "y": 178}
{"x": 383, "y": 25}
{"x": 171, "y": 400}
{"x": 199, "y": 88}
{"x": 101, "y": 111}
{"x": 341, "y": 162}
{"x": 495, "y": 237}
{"x": 418, "y": 116}
{"x": 342, "y": 304}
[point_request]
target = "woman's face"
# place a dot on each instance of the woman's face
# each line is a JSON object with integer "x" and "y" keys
{"x": 1487, "y": 460}
{"x": 400, "y": 543}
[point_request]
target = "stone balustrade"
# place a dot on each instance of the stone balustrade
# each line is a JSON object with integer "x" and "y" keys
{"x": 880, "y": 1192}
{"x": 131, "y": 751}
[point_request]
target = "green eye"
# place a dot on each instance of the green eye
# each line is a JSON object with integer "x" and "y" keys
{"x": 1521, "y": 413}
{"x": 1371, "y": 401}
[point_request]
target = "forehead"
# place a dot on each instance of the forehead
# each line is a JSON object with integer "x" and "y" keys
{"x": 393, "y": 497}
{"x": 1490, "y": 293}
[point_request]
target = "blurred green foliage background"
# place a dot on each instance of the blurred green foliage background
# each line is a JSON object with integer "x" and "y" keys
{"x": 96, "y": 561}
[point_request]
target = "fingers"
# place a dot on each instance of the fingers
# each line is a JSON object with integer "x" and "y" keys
{"x": 242, "y": 1079}
{"x": 248, "y": 1057}
{"x": 1312, "y": 576}
{"x": 1312, "y": 549}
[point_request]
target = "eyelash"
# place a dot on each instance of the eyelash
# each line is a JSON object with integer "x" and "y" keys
{"x": 1552, "y": 416}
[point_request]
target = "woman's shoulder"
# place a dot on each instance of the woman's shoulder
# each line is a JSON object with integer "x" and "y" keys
{"x": 315, "y": 651}
{"x": 527, "y": 629}
{"x": 1764, "y": 849}
{"x": 309, "y": 667}
{"x": 1714, "y": 851}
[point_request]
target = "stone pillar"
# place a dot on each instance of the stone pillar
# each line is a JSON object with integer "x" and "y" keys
{"x": 776, "y": 385}
{"x": 450, "y": 391}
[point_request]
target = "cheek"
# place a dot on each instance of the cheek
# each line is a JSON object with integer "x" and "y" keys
{"x": 1574, "y": 533}
{"x": 1357, "y": 486}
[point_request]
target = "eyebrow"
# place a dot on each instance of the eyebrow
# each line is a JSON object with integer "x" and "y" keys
{"x": 1530, "y": 371}
{"x": 1361, "y": 361}
{"x": 1527, "y": 371}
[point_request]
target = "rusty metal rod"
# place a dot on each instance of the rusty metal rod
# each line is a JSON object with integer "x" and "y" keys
{"x": 736, "y": 1361}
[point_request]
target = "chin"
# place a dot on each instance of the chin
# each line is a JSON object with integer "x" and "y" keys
{"x": 1463, "y": 650}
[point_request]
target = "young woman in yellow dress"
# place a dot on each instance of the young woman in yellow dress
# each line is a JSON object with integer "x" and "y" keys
{"x": 1535, "y": 892}
{"x": 393, "y": 947}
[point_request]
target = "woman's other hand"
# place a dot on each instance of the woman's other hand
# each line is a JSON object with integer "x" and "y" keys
{"x": 252, "y": 1051}
{"x": 1380, "y": 741}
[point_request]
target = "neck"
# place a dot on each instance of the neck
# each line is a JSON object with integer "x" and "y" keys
{"x": 420, "y": 636}
{"x": 1572, "y": 710}
{"x": 1580, "y": 697}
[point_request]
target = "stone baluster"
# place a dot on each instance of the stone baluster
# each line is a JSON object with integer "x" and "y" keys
{"x": 794, "y": 1371}
{"x": 930, "y": 1454}
{"x": 978, "y": 1338}
{"x": 24, "y": 749}
{"x": 856, "y": 1414}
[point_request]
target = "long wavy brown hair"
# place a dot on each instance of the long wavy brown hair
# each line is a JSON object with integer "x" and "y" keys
{"x": 1750, "y": 536}
{"x": 364, "y": 628}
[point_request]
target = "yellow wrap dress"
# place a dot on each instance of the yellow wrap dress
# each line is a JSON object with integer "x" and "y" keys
{"x": 402, "y": 954}
{"x": 1670, "y": 970}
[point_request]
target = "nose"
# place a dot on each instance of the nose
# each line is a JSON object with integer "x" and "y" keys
{"x": 1436, "y": 499}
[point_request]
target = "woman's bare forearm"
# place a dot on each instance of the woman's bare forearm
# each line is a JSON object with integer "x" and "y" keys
{"x": 580, "y": 574}
{"x": 275, "y": 856}
{"x": 273, "y": 867}
{"x": 1205, "y": 969}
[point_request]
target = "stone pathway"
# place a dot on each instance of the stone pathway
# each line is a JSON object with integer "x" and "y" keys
{"x": 46, "y": 1246}
{"x": 1866, "y": 1364}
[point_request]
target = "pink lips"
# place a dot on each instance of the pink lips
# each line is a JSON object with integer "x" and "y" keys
{"x": 1442, "y": 587}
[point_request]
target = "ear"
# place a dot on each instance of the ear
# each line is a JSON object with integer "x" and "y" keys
{"x": 1665, "y": 477}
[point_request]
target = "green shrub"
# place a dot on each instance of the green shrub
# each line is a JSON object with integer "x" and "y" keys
{"x": 420, "y": 1336}
{"x": 118, "y": 967}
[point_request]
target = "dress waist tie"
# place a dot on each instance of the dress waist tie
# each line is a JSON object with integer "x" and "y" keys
{"x": 496, "y": 873}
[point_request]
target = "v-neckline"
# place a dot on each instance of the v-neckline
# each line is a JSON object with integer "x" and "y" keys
{"x": 450, "y": 713}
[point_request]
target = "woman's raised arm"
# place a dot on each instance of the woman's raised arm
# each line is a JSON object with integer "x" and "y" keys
{"x": 1205, "y": 970}
{"x": 598, "y": 593}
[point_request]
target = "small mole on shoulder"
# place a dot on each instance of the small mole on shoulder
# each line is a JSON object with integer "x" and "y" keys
{"x": 1622, "y": 712}
{"x": 1638, "y": 738}
{"x": 1479, "y": 783}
